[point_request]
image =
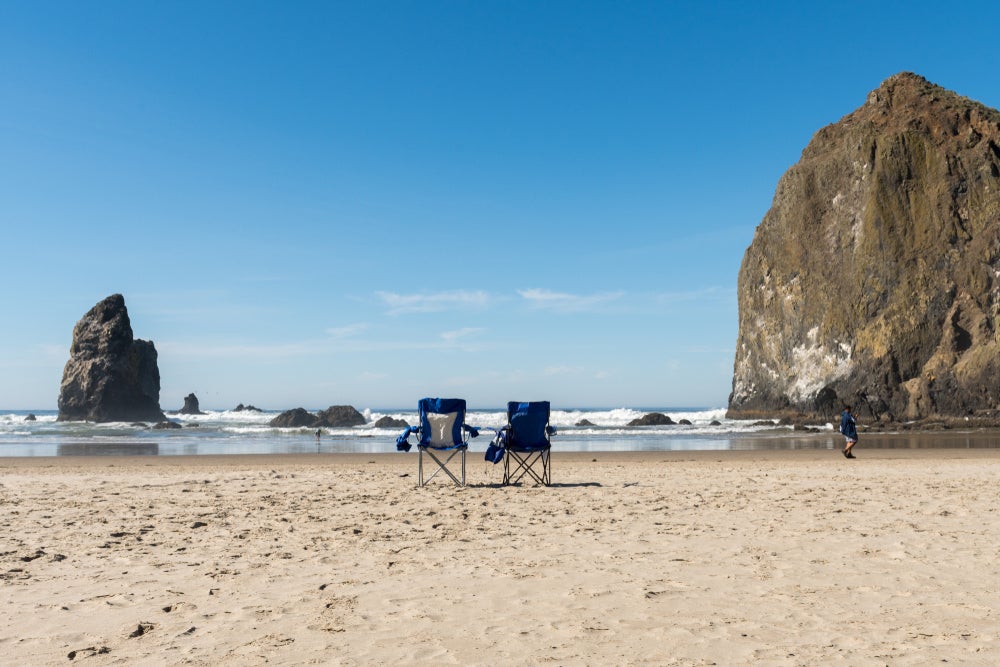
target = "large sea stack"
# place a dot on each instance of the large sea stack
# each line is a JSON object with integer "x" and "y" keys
{"x": 874, "y": 279}
{"x": 110, "y": 376}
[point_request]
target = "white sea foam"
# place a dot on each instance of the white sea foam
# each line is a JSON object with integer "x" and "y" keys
{"x": 227, "y": 431}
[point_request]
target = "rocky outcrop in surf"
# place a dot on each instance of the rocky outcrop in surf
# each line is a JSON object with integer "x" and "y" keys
{"x": 335, "y": 416}
{"x": 874, "y": 279}
{"x": 295, "y": 418}
{"x": 652, "y": 419}
{"x": 110, "y": 376}
{"x": 391, "y": 422}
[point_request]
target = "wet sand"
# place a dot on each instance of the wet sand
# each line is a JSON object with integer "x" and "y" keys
{"x": 783, "y": 557}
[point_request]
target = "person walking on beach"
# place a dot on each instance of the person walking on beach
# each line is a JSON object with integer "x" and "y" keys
{"x": 849, "y": 430}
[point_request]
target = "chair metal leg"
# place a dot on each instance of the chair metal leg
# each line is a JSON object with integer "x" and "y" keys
{"x": 524, "y": 464}
{"x": 441, "y": 465}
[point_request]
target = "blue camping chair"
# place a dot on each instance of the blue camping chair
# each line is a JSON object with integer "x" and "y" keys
{"x": 442, "y": 430}
{"x": 524, "y": 443}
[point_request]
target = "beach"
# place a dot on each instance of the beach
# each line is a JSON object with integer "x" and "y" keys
{"x": 771, "y": 557}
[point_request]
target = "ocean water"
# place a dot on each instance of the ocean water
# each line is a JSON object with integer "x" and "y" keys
{"x": 229, "y": 432}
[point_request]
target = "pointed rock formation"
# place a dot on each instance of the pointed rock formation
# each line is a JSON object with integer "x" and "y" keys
{"x": 110, "y": 376}
{"x": 874, "y": 279}
{"x": 191, "y": 406}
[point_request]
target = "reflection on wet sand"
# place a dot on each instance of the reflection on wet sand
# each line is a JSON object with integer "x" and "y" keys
{"x": 917, "y": 440}
{"x": 108, "y": 449}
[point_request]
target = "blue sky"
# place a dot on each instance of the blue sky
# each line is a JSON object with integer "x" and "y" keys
{"x": 369, "y": 202}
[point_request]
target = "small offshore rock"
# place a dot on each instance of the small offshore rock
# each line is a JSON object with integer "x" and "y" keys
{"x": 191, "y": 406}
{"x": 390, "y": 422}
{"x": 295, "y": 418}
{"x": 340, "y": 416}
{"x": 165, "y": 425}
{"x": 653, "y": 419}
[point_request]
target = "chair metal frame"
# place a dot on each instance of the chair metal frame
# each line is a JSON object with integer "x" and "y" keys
{"x": 519, "y": 462}
{"x": 455, "y": 443}
{"x": 441, "y": 465}
{"x": 525, "y": 465}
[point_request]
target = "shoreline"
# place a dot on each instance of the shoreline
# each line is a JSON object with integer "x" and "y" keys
{"x": 952, "y": 445}
{"x": 802, "y": 447}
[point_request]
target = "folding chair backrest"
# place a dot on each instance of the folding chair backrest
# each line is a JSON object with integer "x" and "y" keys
{"x": 441, "y": 421}
{"x": 528, "y": 425}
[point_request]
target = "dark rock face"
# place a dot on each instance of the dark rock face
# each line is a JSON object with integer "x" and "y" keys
{"x": 334, "y": 416}
{"x": 249, "y": 408}
{"x": 874, "y": 279}
{"x": 342, "y": 416}
{"x": 389, "y": 422}
{"x": 585, "y": 422}
{"x": 165, "y": 425}
{"x": 652, "y": 419}
{"x": 293, "y": 419}
{"x": 191, "y": 406}
{"x": 30, "y": 418}
{"x": 109, "y": 376}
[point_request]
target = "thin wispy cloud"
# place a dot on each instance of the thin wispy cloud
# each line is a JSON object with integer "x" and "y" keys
{"x": 703, "y": 294}
{"x": 552, "y": 371}
{"x": 240, "y": 351}
{"x": 52, "y": 351}
{"x": 453, "y": 336}
{"x": 568, "y": 303}
{"x": 349, "y": 331}
{"x": 305, "y": 348}
{"x": 399, "y": 304}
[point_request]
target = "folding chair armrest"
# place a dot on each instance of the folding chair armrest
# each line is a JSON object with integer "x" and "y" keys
{"x": 497, "y": 447}
{"x": 403, "y": 441}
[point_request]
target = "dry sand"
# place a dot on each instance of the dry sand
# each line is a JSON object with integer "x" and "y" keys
{"x": 728, "y": 558}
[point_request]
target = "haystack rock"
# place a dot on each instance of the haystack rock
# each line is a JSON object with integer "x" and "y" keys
{"x": 110, "y": 376}
{"x": 874, "y": 279}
